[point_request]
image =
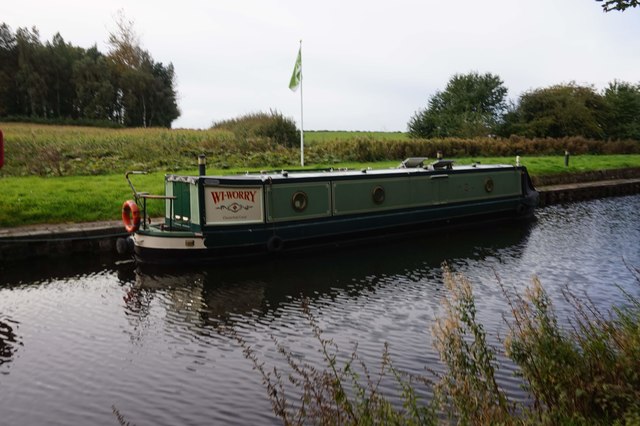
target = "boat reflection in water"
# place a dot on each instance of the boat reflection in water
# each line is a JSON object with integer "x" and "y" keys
{"x": 213, "y": 295}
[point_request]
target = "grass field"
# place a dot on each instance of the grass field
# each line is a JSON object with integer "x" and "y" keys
{"x": 313, "y": 136}
{"x": 31, "y": 199}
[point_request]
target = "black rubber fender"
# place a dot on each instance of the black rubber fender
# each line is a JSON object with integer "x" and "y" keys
{"x": 124, "y": 245}
{"x": 275, "y": 244}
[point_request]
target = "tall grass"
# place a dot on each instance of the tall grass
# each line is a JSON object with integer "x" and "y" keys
{"x": 44, "y": 150}
{"x": 364, "y": 149}
{"x": 587, "y": 375}
{"x": 336, "y": 394}
{"x": 583, "y": 374}
{"x": 67, "y": 151}
{"x": 314, "y": 136}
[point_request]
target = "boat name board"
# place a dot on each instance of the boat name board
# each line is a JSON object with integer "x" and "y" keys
{"x": 233, "y": 205}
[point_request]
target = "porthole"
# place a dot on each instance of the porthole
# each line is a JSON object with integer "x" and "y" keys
{"x": 488, "y": 185}
{"x": 378, "y": 195}
{"x": 299, "y": 201}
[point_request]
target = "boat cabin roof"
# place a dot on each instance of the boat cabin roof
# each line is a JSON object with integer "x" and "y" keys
{"x": 332, "y": 174}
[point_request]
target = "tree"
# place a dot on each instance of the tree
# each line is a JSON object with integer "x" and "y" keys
{"x": 32, "y": 87}
{"x": 623, "y": 102}
{"x": 95, "y": 86}
{"x": 8, "y": 70}
{"x": 471, "y": 105}
{"x": 60, "y": 57}
{"x": 620, "y": 5}
{"x": 146, "y": 92}
{"x": 125, "y": 49}
{"x": 127, "y": 57}
{"x": 558, "y": 111}
{"x": 58, "y": 81}
{"x": 163, "y": 107}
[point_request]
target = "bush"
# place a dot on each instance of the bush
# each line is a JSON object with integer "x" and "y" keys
{"x": 271, "y": 125}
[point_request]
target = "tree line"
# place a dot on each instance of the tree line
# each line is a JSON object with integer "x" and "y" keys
{"x": 58, "y": 82}
{"x": 473, "y": 105}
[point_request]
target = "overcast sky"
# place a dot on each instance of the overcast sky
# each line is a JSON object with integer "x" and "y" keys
{"x": 367, "y": 65}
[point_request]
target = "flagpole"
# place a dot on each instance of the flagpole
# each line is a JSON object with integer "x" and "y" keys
{"x": 301, "y": 113}
{"x": 294, "y": 83}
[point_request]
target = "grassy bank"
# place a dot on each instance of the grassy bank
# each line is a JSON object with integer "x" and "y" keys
{"x": 583, "y": 374}
{"x": 31, "y": 199}
{"x": 75, "y": 174}
{"x": 35, "y": 200}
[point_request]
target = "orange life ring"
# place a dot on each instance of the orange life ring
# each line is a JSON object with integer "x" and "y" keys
{"x": 131, "y": 216}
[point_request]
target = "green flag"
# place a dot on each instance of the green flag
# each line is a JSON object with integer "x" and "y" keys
{"x": 296, "y": 77}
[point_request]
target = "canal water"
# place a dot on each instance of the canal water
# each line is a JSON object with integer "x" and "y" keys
{"x": 84, "y": 340}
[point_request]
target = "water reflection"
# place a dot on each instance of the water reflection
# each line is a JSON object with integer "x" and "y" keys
{"x": 213, "y": 295}
{"x": 35, "y": 271}
{"x": 9, "y": 341}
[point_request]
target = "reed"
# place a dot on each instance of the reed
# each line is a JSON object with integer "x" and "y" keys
{"x": 586, "y": 373}
{"x": 340, "y": 393}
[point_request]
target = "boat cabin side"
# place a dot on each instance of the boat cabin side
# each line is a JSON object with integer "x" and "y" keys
{"x": 195, "y": 203}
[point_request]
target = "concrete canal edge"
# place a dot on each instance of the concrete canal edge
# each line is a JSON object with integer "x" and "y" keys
{"x": 59, "y": 240}
{"x": 556, "y": 194}
{"x": 100, "y": 237}
{"x": 563, "y": 188}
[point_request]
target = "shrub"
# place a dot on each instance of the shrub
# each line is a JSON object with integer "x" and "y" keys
{"x": 271, "y": 125}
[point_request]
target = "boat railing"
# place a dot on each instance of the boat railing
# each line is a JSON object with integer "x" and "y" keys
{"x": 136, "y": 194}
{"x": 146, "y": 196}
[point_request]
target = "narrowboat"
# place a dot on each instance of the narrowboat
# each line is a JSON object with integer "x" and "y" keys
{"x": 217, "y": 217}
